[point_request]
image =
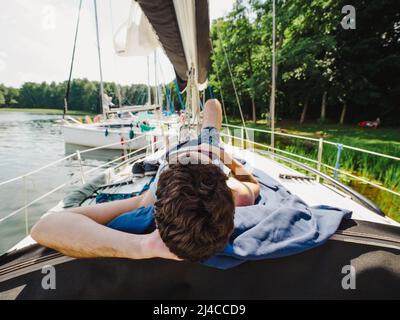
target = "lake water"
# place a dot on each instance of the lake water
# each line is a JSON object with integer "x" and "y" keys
{"x": 29, "y": 141}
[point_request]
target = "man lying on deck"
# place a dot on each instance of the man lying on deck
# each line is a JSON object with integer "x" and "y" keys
{"x": 193, "y": 203}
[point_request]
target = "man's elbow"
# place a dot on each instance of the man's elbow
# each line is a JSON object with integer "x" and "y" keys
{"x": 37, "y": 231}
{"x": 247, "y": 196}
{"x": 243, "y": 200}
{"x": 41, "y": 230}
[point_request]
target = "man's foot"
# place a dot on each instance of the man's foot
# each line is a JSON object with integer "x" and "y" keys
{"x": 212, "y": 114}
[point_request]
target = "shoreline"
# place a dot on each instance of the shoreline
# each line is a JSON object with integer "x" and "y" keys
{"x": 48, "y": 111}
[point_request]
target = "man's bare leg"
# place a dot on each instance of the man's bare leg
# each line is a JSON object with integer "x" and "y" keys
{"x": 212, "y": 114}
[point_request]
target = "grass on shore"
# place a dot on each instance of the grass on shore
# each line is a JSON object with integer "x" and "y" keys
{"x": 384, "y": 139}
{"x": 48, "y": 111}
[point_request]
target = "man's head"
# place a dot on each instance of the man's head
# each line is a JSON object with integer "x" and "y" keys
{"x": 194, "y": 210}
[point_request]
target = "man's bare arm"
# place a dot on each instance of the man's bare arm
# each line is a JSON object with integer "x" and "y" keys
{"x": 244, "y": 183}
{"x": 250, "y": 186}
{"x": 79, "y": 236}
{"x": 79, "y": 232}
{"x": 105, "y": 212}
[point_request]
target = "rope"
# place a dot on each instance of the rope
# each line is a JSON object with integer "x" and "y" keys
{"x": 365, "y": 151}
{"x": 36, "y": 170}
{"x": 66, "y": 158}
{"x": 210, "y": 92}
{"x": 163, "y": 84}
{"x": 171, "y": 96}
{"x": 179, "y": 95}
{"x": 192, "y": 100}
{"x": 72, "y": 181}
{"x": 233, "y": 82}
{"x": 26, "y": 208}
{"x": 169, "y": 99}
{"x": 148, "y": 81}
{"x": 157, "y": 97}
{"x": 220, "y": 91}
{"x": 66, "y": 97}
{"x": 278, "y": 133}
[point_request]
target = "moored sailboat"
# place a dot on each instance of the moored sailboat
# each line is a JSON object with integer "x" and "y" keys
{"x": 122, "y": 123}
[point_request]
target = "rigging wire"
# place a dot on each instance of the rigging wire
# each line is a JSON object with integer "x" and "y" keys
{"x": 233, "y": 81}
{"x": 157, "y": 93}
{"x": 148, "y": 81}
{"x": 99, "y": 57}
{"x": 273, "y": 87}
{"x": 66, "y": 97}
{"x": 234, "y": 86}
{"x": 117, "y": 86}
{"x": 163, "y": 84}
{"x": 220, "y": 91}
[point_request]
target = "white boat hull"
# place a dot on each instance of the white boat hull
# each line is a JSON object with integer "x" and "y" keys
{"x": 91, "y": 136}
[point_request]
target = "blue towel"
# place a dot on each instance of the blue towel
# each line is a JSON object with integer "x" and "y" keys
{"x": 279, "y": 225}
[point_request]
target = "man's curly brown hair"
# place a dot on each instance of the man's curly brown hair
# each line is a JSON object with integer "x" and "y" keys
{"x": 194, "y": 210}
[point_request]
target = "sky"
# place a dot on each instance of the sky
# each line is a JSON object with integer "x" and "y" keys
{"x": 36, "y": 40}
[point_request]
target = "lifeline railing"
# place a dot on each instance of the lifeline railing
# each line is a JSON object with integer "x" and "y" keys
{"x": 149, "y": 147}
{"x": 318, "y": 162}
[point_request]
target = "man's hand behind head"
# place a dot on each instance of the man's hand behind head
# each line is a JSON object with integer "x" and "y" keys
{"x": 154, "y": 247}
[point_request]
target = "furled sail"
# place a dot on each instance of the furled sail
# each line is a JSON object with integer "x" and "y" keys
{"x": 183, "y": 29}
{"x": 135, "y": 37}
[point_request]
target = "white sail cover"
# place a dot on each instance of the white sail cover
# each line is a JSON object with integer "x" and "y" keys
{"x": 135, "y": 37}
{"x": 186, "y": 17}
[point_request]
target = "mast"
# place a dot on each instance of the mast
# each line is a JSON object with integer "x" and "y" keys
{"x": 157, "y": 102}
{"x": 148, "y": 82}
{"x": 66, "y": 97}
{"x": 272, "y": 102}
{"x": 119, "y": 95}
{"x": 99, "y": 55}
